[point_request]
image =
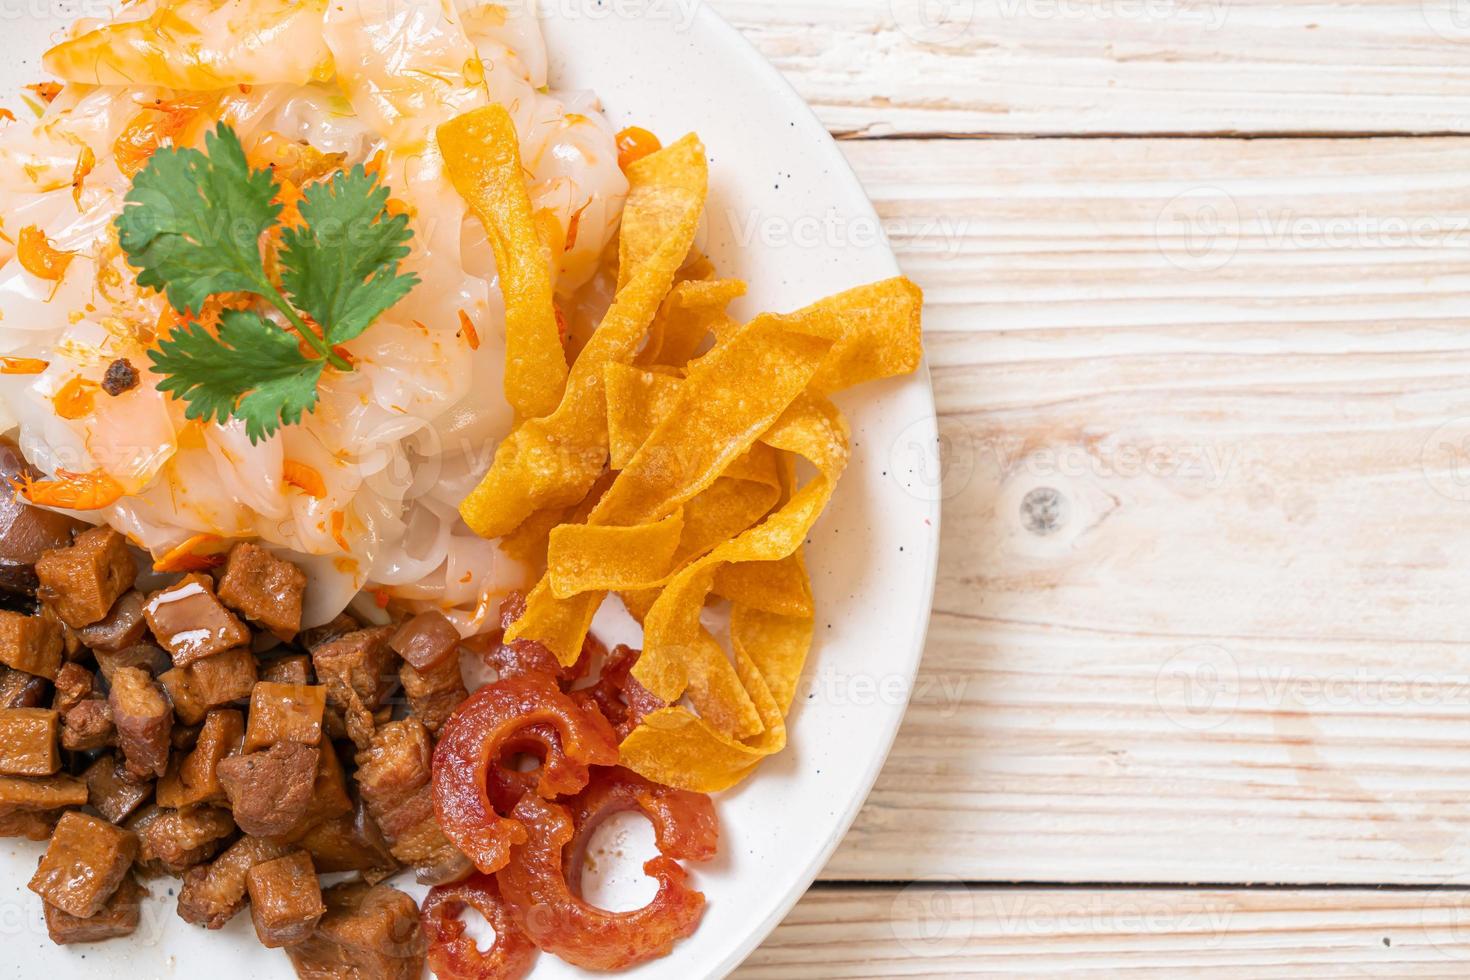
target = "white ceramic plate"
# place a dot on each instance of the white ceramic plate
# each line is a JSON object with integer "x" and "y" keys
{"x": 787, "y": 215}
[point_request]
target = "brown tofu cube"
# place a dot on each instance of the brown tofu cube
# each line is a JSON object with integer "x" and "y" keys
{"x": 84, "y": 864}
{"x": 433, "y": 693}
{"x": 88, "y": 727}
{"x": 264, "y": 589}
{"x": 211, "y": 683}
{"x": 30, "y": 643}
{"x": 28, "y": 742}
{"x": 288, "y": 670}
{"x": 190, "y": 622}
{"x": 350, "y": 842}
{"x": 74, "y": 684}
{"x": 21, "y": 690}
{"x": 123, "y": 626}
{"x": 368, "y": 933}
{"x": 145, "y": 656}
{"x": 144, "y": 720}
{"x": 427, "y": 640}
{"x": 193, "y": 779}
{"x": 36, "y": 825}
{"x": 285, "y": 713}
{"x": 359, "y": 671}
{"x": 177, "y": 840}
{"x": 271, "y": 791}
{"x": 81, "y": 582}
{"x": 393, "y": 776}
{"x": 112, "y": 791}
{"x": 212, "y": 895}
{"x": 285, "y": 899}
{"x": 41, "y": 793}
{"x": 119, "y": 917}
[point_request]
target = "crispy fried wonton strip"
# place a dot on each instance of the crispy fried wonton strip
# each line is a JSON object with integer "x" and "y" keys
{"x": 689, "y": 314}
{"x": 483, "y": 159}
{"x": 554, "y": 461}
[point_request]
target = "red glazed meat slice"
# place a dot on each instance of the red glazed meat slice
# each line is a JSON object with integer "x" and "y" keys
{"x": 84, "y": 864}
{"x": 264, "y": 589}
{"x": 212, "y": 895}
{"x": 285, "y": 899}
{"x": 118, "y": 917}
{"x": 271, "y": 791}
{"x": 144, "y": 720}
{"x": 82, "y": 581}
{"x": 31, "y": 644}
{"x": 190, "y": 622}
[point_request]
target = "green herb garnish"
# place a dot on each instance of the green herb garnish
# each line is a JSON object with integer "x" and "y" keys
{"x": 192, "y": 226}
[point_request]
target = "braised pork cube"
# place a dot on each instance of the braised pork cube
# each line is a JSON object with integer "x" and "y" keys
{"x": 21, "y": 690}
{"x": 330, "y": 797}
{"x": 114, "y": 792}
{"x": 427, "y": 640}
{"x": 82, "y": 581}
{"x": 41, "y": 793}
{"x": 393, "y": 775}
{"x": 74, "y": 684}
{"x": 184, "y": 737}
{"x": 88, "y": 727}
{"x": 359, "y": 672}
{"x": 271, "y": 791}
{"x": 285, "y": 713}
{"x": 84, "y": 864}
{"x": 264, "y": 589}
{"x": 30, "y": 643}
{"x": 211, "y": 683}
{"x": 26, "y": 532}
{"x": 123, "y": 626}
{"x": 350, "y": 842}
{"x": 295, "y": 669}
{"x": 177, "y": 840}
{"x": 36, "y": 825}
{"x": 119, "y": 917}
{"x": 193, "y": 779}
{"x": 191, "y": 623}
{"x": 145, "y": 656}
{"x": 433, "y": 693}
{"x": 285, "y": 899}
{"x": 28, "y": 742}
{"x": 368, "y": 933}
{"x": 143, "y": 718}
{"x": 340, "y": 626}
{"x": 213, "y": 894}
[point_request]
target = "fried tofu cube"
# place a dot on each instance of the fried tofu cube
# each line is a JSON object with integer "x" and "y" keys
{"x": 350, "y": 842}
{"x": 368, "y": 931}
{"x": 264, "y": 589}
{"x": 144, "y": 720}
{"x": 190, "y": 622}
{"x": 88, "y": 727}
{"x": 123, "y": 626}
{"x": 28, "y": 742}
{"x": 36, "y": 825}
{"x": 114, "y": 792}
{"x": 41, "y": 793}
{"x": 285, "y": 713}
{"x": 294, "y": 669}
{"x": 30, "y": 643}
{"x": 285, "y": 899}
{"x": 329, "y": 794}
{"x": 193, "y": 779}
{"x": 360, "y": 671}
{"x": 271, "y": 791}
{"x": 212, "y": 895}
{"x": 84, "y": 864}
{"x": 177, "y": 840}
{"x": 82, "y": 581}
{"x": 118, "y": 917}
{"x": 211, "y": 683}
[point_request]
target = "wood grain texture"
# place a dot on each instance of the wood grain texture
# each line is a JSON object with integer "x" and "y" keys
{"x": 1201, "y": 605}
{"x": 1039, "y": 67}
{"x": 932, "y": 931}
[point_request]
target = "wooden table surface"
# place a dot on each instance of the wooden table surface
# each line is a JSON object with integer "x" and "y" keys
{"x": 1196, "y": 697}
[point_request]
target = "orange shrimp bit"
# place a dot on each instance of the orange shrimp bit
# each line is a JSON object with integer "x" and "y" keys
{"x": 151, "y": 128}
{"x": 39, "y": 257}
{"x": 22, "y": 365}
{"x": 75, "y": 399}
{"x": 193, "y": 555}
{"x": 467, "y": 330}
{"x": 339, "y": 529}
{"x": 71, "y": 491}
{"x": 574, "y": 225}
{"x": 635, "y": 143}
{"x": 45, "y": 91}
{"x": 305, "y": 478}
{"x": 381, "y": 598}
{"x": 86, "y": 160}
{"x": 6, "y": 115}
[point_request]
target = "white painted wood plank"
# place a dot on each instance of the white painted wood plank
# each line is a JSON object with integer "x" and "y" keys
{"x": 926, "y": 930}
{"x": 881, "y": 67}
{"x": 1243, "y": 653}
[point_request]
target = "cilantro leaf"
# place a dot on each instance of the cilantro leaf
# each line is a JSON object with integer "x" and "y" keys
{"x": 192, "y": 222}
{"x": 341, "y": 264}
{"x": 253, "y": 371}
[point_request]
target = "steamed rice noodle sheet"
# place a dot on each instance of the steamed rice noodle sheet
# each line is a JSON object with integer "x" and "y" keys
{"x": 364, "y": 492}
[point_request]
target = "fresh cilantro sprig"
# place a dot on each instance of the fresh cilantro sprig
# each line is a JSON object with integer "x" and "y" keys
{"x": 192, "y": 227}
